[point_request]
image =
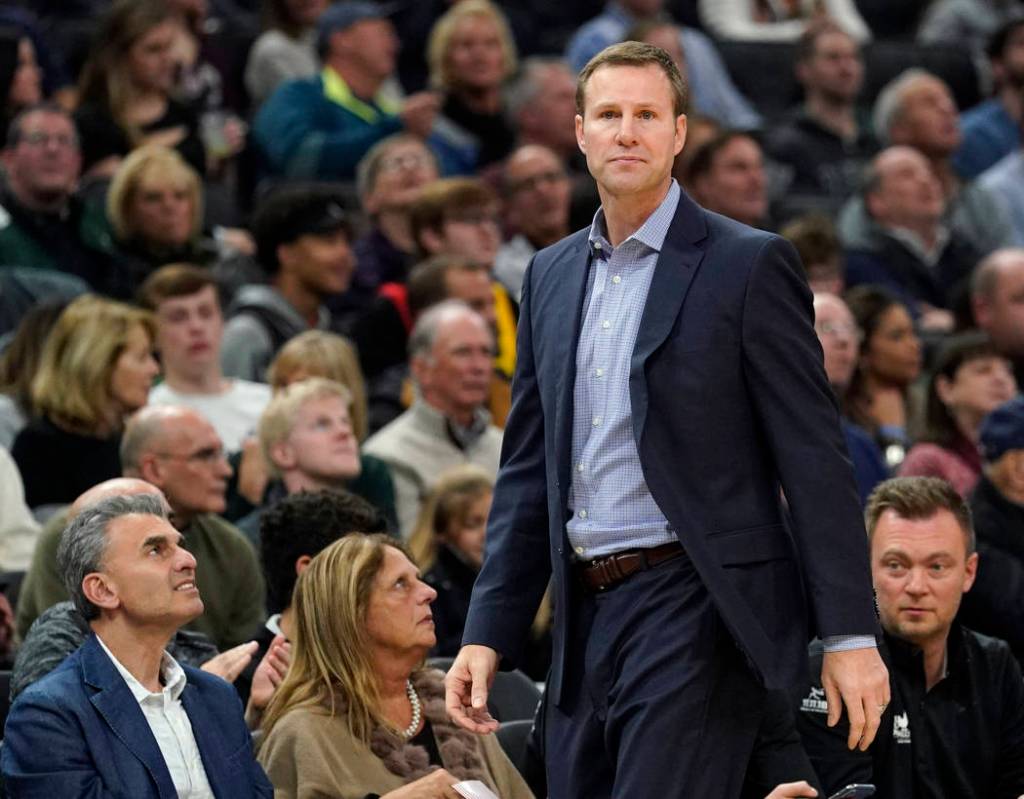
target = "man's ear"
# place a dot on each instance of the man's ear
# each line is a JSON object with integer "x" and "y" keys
{"x": 283, "y": 455}
{"x": 581, "y": 142}
{"x": 100, "y": 591}
{"x": 418, "y": 367}
{"x": 970, "y": 571}
{"x": 301, "y": 563}
{"x": 151, "y": 469}
{"x": 431, "y": 240}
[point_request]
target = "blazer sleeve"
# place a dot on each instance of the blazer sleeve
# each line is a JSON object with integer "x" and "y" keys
{"x": 45, "y": 753}
{"x": 783, "y": 365}
{"x": 517, "y": 564}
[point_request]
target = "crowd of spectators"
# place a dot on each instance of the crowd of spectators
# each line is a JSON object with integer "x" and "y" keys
{"x": 261, "y": 262}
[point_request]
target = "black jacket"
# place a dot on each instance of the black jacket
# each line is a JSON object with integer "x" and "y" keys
{"x": 964, "y": 739}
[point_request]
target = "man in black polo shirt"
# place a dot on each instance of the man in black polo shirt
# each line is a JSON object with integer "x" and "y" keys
{"x": 955, "y": 725}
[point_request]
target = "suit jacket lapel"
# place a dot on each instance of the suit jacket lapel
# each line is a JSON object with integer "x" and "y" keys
{"x": 115, "y": 703}
{"x": 677, "y": 264}
{"x": 209, "y": 736}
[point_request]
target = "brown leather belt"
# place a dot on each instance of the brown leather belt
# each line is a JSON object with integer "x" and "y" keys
{"x": 601, "y": 574}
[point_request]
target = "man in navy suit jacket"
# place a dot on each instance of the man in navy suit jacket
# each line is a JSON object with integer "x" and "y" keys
{"x": 669, "y": 383}
{"x": 121, "y": 718}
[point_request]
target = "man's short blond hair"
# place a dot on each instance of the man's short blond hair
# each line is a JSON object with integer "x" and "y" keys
{"x": 279, "y": 417}
{"x": 634, "y": 54}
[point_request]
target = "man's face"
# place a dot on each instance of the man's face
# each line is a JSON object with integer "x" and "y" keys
{"x": 928, "y": 119}
{"x": 456, "y": 377}
{"x": 149, "y": 577}
{"x": 406, "y": 168}
{"x": 538, "y": 194}
{"x": 839, "y": 336}
{"x": 473, "y": 234}
{"x": 554, "y": 108}
{"x": 920, "y": 569}
{"x": 908, "y": 195}
{"x": 835, "y": 70}
{"x": 476, "y": 59}
{"x": 629, "y": 130}
{"x": 191, "y": 468}
{"x": 322, "y": 262}
{"x": 151, "y": 58}
{"x": 669, "y": 39}
{"x": 45, "y": 161}
{"x": 1002, "y": 316}
{"x": 735, "y": 185}
{"x": 1010, "y": 66}
{"x": 189, "y": 331}
{"x": 473, "y": 287}
{"x": 371, "y": 45}
{"x": 321, "y": 445}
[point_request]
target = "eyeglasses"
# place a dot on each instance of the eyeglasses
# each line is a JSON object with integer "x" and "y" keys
{"x": 839, "y": 330}
{"x": 534, "y": 181}
{"x": 207, "y": 456}
{"x": 39, "y": 138}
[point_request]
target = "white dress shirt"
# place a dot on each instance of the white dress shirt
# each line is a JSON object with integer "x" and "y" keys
{"x": 170, "y": 726}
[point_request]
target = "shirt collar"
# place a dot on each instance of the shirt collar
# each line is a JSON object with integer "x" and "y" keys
{"x": 651, "y": 233}
{"x": 172, "y": 674}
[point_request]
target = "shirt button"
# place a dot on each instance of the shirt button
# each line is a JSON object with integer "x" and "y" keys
{"x": 616, "y": 279}
{"x": 599, "y": 372}
{"x": 606, "y": 324}
{"x": 597, "y": 245}
{"x": 579, "y": 467}
{"x": 583, "y": 514}
{"x": 579, "y": 550}
{"x": 596, "y": 421}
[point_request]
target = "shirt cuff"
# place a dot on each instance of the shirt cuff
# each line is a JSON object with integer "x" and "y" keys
{"x": 844, "y": 643}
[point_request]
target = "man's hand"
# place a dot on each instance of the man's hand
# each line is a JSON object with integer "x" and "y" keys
{"x": 466, "y": 686}
{"x": 792, "y": 790}
{"x": 418, "y": 112}
{"x": 228, "y": 665}
{"x": 857, "y": 678}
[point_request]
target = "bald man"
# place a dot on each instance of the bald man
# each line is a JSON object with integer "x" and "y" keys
{"x": 175, "y": 450}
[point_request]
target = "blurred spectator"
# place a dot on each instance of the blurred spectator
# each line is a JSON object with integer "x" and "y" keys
{"x": 1004, "y": 183}
{"x": 155, "y": 207}
{"x": 713, "y": 92}
{"x": 18, "y": 365}
{"x": 903, "y": 243}
{"x": 785, "y": 21}
{"x": 43, "y": 223}
{"x": 966, "y": 23}
{"x": 699, "y": 131}
{"x": 128, "y": 574}
{"x": 388, "y": 180}
{"x": 991, "y": 130}
{"x": 96, "y": 369}
{"x": 997, "y": 303}
{"x": 126, "y": 88}
{"x": 286, "y": 49}
{"x": 727, "y": 176}
{"x": 536, "y": 189}
{"x": 840, "y": 339}
{"x": 308, "y": 444}
{"x": 471, "y": 54}
{"x": 969, "y": 381}
{"x": 189, "y": 330}
{"x": 916, "y": 109}
{"x": 450, "y": 351}
{"x": 321, "y": 127}
{"x": 817, "y": 244}
{"x": 889, "y": 361}
{"x": 954, "y": 725}
{"x": 21, "y": 79}
{"x": 995, "y": 605}
{"x": 302, "y": 238}
{"x": 827, "y": 141}
{"x": 292, "y": 533}
{"x": 19, "y": 531}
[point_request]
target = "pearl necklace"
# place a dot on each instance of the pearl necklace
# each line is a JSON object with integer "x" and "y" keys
{"x": 417, "y": 711}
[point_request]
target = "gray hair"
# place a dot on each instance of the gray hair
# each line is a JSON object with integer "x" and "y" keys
{"x": 530, "y": 82}
{"x": 424, "y": 332}
{"x": 368, "y": 168}
{"x": 889, "y": 105}
{"x": 985, "y": 278}
{"x": 83, "y": 543}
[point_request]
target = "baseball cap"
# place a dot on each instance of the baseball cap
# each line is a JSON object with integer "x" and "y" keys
{"x": 1003, "y": 430}
{"x": 345, "y": 14}
{"x": 295, "y": 211}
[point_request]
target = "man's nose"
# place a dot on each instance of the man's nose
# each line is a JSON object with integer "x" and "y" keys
{"x": 626, "y": 133}
{"x": 186, "y": 560}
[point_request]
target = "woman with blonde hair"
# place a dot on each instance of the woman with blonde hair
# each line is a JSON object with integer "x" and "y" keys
{"x": 96, "y": 369}
{"x": 126, "y": 89}
{"x": 471, "y": 55}
{"x": 357, "y": 714}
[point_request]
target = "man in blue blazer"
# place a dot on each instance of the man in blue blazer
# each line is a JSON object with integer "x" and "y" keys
{"x": 120, "y": 717}
{"x": 669, "y": 389}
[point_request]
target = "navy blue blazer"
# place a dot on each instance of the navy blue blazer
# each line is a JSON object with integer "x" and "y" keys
{"x": 79, "y": 732}
{"x": 730, "y": 403}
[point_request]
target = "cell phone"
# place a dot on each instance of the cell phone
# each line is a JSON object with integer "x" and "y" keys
{"x": 858, "y": 791}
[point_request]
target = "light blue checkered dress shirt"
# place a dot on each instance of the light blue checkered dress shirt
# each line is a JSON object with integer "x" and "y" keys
{"x": 612, "y": 507}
